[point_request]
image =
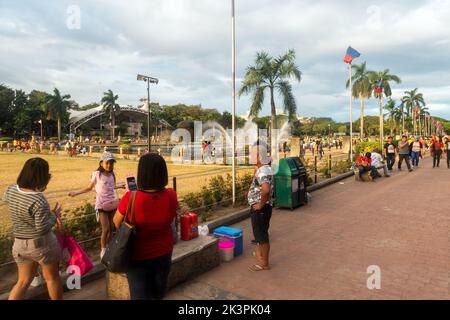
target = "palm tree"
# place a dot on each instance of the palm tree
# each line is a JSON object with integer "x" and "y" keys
{"x": 412, "y": 99}
{"x": 394, "y": 115}
{"x": 56, "y": 107}
{"x": 361, "y": 89}
{"x": 272, "y": 74}
{"x": 110, "y": 105}
{"x": 422, "y": 113}
{"x": 382, "y": 79}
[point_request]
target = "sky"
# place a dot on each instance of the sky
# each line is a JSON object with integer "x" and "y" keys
{"x": 87, "y": 47}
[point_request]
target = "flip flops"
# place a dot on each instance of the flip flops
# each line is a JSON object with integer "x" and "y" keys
{"x": 258, "y": 267}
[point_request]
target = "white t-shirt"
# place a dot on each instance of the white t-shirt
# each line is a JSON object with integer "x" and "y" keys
{"x": 104, "y": 187}
{"x": 376, "y": 160}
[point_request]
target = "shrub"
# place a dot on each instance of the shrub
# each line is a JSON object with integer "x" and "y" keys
{"x": 218, "y": 188}
{"x": 192, "y": 200}
{"x": 341, "y": 166}
{"x": 363, "y": 147}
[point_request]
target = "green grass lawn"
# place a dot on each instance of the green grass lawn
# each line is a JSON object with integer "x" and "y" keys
{"x": 75, "y": 173}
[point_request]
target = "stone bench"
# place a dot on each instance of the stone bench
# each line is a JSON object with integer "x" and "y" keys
{"x": 189, "y": 260}
{"x": 365, "y": 175}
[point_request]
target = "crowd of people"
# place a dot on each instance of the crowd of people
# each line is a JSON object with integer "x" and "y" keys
{"x": 409, "y": 150}
{"x": 36, "y": 225}
{"x": 316, "y": 145}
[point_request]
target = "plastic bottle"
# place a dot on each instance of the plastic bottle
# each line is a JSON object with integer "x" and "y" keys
{"x": 203, "y": 230}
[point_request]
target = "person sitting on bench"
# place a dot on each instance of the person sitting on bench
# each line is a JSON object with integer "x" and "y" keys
{"x": 378, "y": 162}
{"x": 365, "y": 165}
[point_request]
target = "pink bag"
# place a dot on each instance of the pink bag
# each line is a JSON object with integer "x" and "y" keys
{"x": 78, "y": 257}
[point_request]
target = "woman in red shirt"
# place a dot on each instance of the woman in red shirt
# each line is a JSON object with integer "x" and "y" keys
{"x": 155, "y": 209}
{"x": 436, "y": 147}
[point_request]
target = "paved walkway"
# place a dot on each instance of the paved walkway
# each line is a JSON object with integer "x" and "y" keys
{"x": 323, "y": 250}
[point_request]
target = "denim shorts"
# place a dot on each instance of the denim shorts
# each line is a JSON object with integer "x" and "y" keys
{"x": 43, "y": 250}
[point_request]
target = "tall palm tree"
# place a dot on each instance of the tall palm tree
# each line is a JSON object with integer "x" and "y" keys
{"x": 382, "y": 79}
{"x": 272, "y": 74}
{"x": 361, "y": 89}
{"x": 394, "y": 115}
{"x": 422, "y": 113}
{"x": 412, "y": 99}
{"x": 56, "y": 107}
{"x": 110, "y": 105}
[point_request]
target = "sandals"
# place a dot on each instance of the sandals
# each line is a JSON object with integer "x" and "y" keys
{"x": 258, "y": 267}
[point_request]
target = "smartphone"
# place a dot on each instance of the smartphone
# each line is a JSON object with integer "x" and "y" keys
{"x": 131, "y": 183}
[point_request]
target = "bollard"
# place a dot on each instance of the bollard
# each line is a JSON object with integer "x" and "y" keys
{"x": 90, "y": 149}
{"x": 315, "y": 169}
{"x": 174, "y": 181}
{"x": 120, "y": 150}
{"x": 329, "y": 165}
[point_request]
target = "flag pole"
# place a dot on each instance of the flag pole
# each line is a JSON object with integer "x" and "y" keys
{"x": 233, "y": 94}
{"x": 350, "y": 112}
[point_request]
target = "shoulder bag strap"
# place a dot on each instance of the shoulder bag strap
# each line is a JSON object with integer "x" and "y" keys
{"x": 130, "y": 207}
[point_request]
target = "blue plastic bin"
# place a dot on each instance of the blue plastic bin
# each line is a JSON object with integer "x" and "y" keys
{"x": 232, "y": 234}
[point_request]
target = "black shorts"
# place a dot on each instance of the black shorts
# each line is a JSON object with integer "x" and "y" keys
{"x": 260, "y": 223}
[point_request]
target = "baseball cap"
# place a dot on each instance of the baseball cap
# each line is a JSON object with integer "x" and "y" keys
{"x": 107, "y": 156}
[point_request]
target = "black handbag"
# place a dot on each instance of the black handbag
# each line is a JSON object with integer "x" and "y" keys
{"x": 118, "y": 251}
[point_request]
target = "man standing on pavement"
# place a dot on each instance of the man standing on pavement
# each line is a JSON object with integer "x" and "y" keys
{"x": 260, "y": 198}
{"x": 390, "y": 150}
{"x": 403, "y": 153}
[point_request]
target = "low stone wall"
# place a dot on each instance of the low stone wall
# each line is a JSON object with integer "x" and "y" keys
{"x": 189, "y": 260}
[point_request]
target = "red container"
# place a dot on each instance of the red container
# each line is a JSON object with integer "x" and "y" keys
{"x": 188, "y": 226}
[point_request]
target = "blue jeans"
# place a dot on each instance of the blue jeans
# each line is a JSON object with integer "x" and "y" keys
{"x": 147, "y": 279}
{"x": 415, "y": 158}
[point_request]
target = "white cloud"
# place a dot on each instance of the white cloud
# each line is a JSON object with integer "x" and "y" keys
{"x": 186, "y": 43}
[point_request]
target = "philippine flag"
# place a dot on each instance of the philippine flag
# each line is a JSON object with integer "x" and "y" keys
{"x": 350, "y": 55}
{"x": 379, "y": 87}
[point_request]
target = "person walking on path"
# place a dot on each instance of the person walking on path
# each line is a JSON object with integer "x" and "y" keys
{"x": 447, "y": 149}
{"x": 403, "y": 153}
{"x": 104, "y": 182}
{"x": 155, "y": 209}
{"x": 416, "y": 151}
{"x": 260, "y": 198}
{"x": 436, "y": 148}
{"x": 35, "y": 243}
{"x": 390, "y": 151}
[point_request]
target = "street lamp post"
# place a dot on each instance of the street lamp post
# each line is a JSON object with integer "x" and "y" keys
{"x": 40, "y": 121}
{"x": 233, "y": 100}
{"x": 149, "y": 80}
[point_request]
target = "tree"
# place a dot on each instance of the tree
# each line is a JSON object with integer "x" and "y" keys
{"x": 382, "y": 81}
{"x": 412, "y": 99}
{"x": 110, "y": 105}
{"x": 56, "y": 107}
{"x": 394, "y": 115}
{"x": 6, "y": 109}
{"x": 361, "y": 89}
{"x": 272, "y": 74}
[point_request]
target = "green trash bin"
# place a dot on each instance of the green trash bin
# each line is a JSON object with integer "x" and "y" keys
{"x": 290, "y": 183}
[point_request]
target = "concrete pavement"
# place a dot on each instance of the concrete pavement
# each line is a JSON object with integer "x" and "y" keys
{"x": 323, "y": 250}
